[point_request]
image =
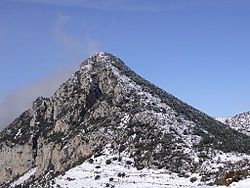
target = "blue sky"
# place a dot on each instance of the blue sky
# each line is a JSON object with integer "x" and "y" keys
{"x": 198, "y": 50}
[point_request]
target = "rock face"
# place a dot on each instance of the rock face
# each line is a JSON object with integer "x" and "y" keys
{"x": 105, "y": 104}
{"x": 240, "y": 122}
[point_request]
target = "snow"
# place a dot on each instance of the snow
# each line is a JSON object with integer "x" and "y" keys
{"x": 241, "y": 184}
{"x": 98, "y": 174}
{"x": 240, "y": 122}
{"x": 23, "y": 178}
{"x": 221, "y": 119}
{"x": 127, "y": 84}
{"x": 18, "y": 134}
{"x": 232, "y": 157}
{"x": 124, "y": 120}
{"x": 85, "y": 174}
{"x": 220, "y": 160}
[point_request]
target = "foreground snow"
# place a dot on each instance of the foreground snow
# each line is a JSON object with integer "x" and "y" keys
{"x": 108, "y": 171}
{"x": 24, "y": 177}
{"x": 241, "y": 184}
{"x": 119, "y": 174}
{"x": 117, "y": 170}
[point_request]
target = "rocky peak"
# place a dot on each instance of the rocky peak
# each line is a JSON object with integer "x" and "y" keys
{"x": 240, "y": 122}
{"x": 105, "y": 105}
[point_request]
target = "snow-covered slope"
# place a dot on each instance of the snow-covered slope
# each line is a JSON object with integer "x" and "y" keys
{"x": 117, "y": 170}
{"x": 240, "y": 122}
{"x": 111, "y": 170}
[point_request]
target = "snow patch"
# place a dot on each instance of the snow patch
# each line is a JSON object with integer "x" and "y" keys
{"x": 241, "y": 184}
{"x": 19, "y": 133}
{"x": 24, "y": 177}
{"x": 124, "y": 120}
{"x": 108, "y": 170}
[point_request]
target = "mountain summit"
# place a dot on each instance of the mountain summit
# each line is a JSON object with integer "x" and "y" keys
{"x": 107, "y": 110}
{"x": 239, "y": 122}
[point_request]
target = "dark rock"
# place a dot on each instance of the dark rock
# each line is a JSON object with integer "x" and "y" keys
{"x": 193, "y": 179}
{"x": 97, "y": 177}
{"x": 70, "y": 179}
{"x": 108, "y": 161}
{"x": 139, "y": 167}
{"x": 129, "y": 162}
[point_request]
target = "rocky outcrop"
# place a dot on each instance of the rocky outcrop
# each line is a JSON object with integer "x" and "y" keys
{"x": 16, "y": 150}
{"x": 105, "y": 104}
{"x": 240, "y": 122}
{"x": 15, "y": 161}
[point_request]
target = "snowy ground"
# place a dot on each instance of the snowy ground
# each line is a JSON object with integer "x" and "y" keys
{"x": 241, "y": 184}
{"x": 23, "y": 178}
{"x": 113, "y": 170}
{"x": 108, "y": 171}
{"x": 119, "y": 174}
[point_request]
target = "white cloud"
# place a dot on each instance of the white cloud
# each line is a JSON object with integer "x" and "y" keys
{"x": 77, "y": 46}
{"x": 91, "y": 45}
{"x": 21, "y": 99}
{"x": 60, "y": 35}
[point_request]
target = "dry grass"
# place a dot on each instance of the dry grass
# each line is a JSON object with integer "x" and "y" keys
{"x": 231, "y": 176}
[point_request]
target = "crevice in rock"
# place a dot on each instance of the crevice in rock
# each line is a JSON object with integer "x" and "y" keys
{"x": 94, "y": 93}
{"x": 34, "y": 141}
{"x": 40, "y": 122}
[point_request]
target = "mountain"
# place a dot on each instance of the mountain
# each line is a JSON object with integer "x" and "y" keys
{"x": 107, "y": 126}
{"x": 240, "y": 122}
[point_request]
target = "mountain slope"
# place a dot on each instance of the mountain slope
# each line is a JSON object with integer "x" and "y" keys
{"x": 240, "y": 122}
{"x": 105, "y": 105}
